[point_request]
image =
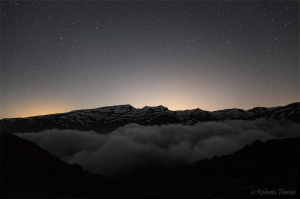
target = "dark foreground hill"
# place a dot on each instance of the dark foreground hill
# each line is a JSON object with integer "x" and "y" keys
{"x": 29, "y": 171}
{"x": 253, "y": 171}
{"x": 263, "y": 169}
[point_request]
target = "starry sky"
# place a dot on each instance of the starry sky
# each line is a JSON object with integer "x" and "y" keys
{"x": 62, "y": 56}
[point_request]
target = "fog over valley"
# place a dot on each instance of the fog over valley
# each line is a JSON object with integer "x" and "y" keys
{"x": 166, "y": 146}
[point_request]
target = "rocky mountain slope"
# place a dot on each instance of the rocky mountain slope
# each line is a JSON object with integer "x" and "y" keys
{"x": 28, "y": 171}
{"x": 106, "y": 119}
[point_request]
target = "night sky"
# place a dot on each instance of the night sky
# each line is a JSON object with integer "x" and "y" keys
{"x": 63, "y": 56}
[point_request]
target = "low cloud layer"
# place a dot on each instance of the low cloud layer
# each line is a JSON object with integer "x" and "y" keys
{"x": 166, "y": 146}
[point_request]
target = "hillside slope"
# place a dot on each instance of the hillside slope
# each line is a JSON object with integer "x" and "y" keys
{"x": 31, "y": 172}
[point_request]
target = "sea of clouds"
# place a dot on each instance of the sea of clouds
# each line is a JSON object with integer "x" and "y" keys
{"x": 167, "y": 145}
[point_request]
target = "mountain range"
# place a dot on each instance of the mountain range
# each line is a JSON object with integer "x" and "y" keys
{"x": 107, "y": 119}
{"x": 262, "y": 169}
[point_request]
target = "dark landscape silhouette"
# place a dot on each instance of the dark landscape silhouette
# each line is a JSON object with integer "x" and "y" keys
{"x": 149, "y": 99}
{"x": 236, "y": 154}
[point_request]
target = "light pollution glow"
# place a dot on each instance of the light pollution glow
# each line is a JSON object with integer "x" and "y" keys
{"x": 63, "y": 56}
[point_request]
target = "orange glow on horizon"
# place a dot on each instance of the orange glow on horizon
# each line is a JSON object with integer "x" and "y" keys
{"x": 168, "y": 100}
{"x": 34, "y": 110}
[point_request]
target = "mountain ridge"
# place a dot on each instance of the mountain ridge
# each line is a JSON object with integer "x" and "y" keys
{"x": 147, "y": 107}
{"x": 108, "y": 118}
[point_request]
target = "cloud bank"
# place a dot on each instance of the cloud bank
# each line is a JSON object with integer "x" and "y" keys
{"x": 167, "y": 146}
